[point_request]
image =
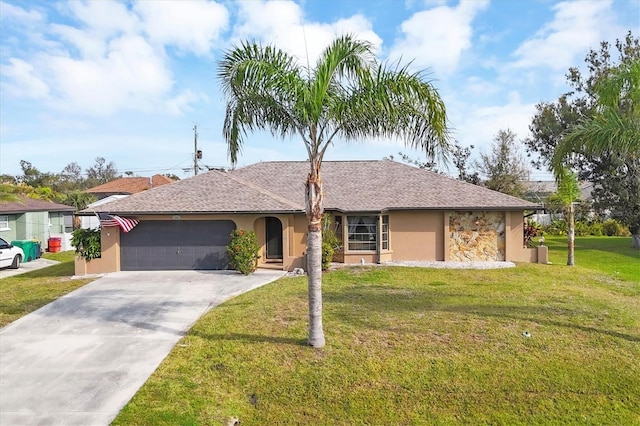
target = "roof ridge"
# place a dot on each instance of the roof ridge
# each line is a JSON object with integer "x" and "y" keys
{"x": 263, "y": 191}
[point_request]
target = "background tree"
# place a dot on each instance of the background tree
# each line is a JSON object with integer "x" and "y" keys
{"x": 101, "y": 172}
{"x": 504, "y": 167}
{"x": 613, "y": 130}
{"x": 71, "y": 178}
{"x": 348, "y": 95}
{"x": 8, "y": 193}
{"x": 614, "y": 177}
{"x": 460, "y": 159}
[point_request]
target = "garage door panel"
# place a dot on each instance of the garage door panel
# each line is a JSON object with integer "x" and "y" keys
{"x": 181, "y": 245}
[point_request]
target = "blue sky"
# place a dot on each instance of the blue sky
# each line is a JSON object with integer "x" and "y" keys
{"x": 127, "y": 81}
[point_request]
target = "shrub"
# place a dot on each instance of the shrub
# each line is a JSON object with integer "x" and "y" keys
{"x": 595, "y": 229}
{"x": 243, "y": 251}
{"x": 613, "y": 228}
{"x": 582, "y": 229}
{"x": 557, "y": 227}
{"x": 330, "y": 241}
{"x": 87, "y": 243}
{"x": 327, "y": 255}
{"x": 531, "y": 229}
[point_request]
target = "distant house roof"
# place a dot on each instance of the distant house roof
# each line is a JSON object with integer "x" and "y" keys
{"x": 32, "y": 205}
{"x": 130, "y": 185}
{"x": 539, "y": 190}
{"x": 350, "y": 186}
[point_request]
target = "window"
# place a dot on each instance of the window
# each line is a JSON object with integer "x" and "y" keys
{"x": 384, "y": 235}
{"x": 362, "y": 232}
{"x": 68, "y": 223}
{"x": 4, "y": 223}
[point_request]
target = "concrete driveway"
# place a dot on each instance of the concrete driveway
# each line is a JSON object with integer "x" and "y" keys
{"x": 80, "y": 359}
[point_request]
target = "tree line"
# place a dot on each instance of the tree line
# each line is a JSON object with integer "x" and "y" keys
{"x": 66, "y": 187}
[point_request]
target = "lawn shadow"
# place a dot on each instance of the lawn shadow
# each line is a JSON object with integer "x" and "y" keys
{"x": 250, "y": 338}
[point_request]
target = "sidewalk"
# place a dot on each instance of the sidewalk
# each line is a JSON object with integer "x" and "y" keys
{"x": 27, "y": 267}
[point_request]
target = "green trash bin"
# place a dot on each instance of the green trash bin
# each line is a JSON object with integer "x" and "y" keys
{"x": 30, "y": 248}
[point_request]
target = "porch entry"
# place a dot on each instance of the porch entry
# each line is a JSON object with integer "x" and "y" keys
{"x": 274, "y": 238}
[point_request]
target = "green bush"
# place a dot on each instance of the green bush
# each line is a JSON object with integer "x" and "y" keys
{"x": 595, "y": 229}
{"x": 327, "y": 255}
{"x": 243, "y": 251}
{"x": 87, "y": 243}
{"x": 613, "y": 228}
{"x": 582, "y": 229}
{"x": 557, "y": 227}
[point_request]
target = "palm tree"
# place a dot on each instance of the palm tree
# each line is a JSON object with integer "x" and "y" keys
{"x": 348, "y": 95}
{"x": 567, "y": 194}
{"x": 615, "y": 127}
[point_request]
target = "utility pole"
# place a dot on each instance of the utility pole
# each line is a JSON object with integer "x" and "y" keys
{"x": 197, "y": 154}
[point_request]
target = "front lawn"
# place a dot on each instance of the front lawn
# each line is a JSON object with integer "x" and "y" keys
{"x": 537, "y": 344}
{"x": 22, "y": 294}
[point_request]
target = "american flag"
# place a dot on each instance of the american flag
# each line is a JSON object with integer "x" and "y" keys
{"x": 125, "y": 223}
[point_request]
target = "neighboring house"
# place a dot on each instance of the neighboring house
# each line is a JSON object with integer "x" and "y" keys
{"x": 128, "y": 186}
{"x": 90, "y": 222}
{"x": 539, "y": 191}
{"x": 383, "y": 211}
{"x": 30, "y": 219}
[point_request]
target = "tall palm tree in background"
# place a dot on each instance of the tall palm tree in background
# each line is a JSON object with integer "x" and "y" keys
{"x": 567, "y": 194}
{"x": 348, "y": 96}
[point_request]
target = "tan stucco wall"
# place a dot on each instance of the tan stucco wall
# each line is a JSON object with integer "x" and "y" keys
{"x": 416, "y": 235}
{"x": 110, "y": 259}
{"x": 516, "y": 252}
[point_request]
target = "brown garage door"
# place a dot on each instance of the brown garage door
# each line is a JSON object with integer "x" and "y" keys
{"x": 176, "y": 245}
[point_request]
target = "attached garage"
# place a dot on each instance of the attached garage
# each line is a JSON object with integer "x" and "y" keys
{"x": 176, "y": 245}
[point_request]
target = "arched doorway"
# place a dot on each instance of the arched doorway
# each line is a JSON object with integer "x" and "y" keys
{"x": 273, "y": 233}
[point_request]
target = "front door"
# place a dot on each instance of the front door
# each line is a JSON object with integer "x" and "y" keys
{"x": 274, "y": 238}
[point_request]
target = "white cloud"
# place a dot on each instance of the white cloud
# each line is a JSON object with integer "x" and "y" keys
{"x": 130, "y": 76}
{"x": 190, "y": 25}
{"x": 576, "y": 27}
{"x": 22, "y": 81}
{"x": 282, "y": 23}
{"x": 437, "y": 37}
{"x": 107, "y": 57}
{"x": 478, "y": 125}
{"x": 16, "y": 14}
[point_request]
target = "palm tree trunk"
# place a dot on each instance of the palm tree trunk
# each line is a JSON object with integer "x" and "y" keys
{"x": 314, "y": 210}
{"x": 572, "y": 236}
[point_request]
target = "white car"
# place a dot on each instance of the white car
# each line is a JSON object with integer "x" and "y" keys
{"x": 10, "y": 256}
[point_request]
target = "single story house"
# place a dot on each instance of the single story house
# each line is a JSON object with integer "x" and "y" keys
{"x": 29, "y": 219}
{"x": 128, "y": 186}
{"x": 382, "y": 211}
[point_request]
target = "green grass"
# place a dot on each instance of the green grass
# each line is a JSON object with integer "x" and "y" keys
{"x": 24, "y": 293}
{"x": 416, "y": 346}
{"x": 612, "y": 255}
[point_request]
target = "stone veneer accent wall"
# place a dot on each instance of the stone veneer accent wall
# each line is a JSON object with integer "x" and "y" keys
{"x": 476, "y": 236}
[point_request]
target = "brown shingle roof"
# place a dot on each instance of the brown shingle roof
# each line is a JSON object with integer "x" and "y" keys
{"x": 348, "y": 185}
{"x": 32, "y": 205}
{"x": 130, "y": 185}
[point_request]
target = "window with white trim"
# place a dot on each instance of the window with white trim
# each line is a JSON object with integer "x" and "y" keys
{"x": 4, "y": 223}
{"x": 384, "y": 234}
{"x": 362, "y": 233}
